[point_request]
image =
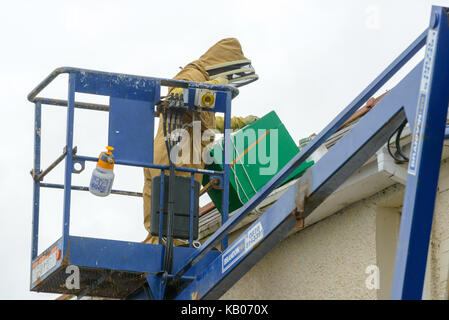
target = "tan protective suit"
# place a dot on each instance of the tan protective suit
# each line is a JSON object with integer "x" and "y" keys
{"x": 226, "y": 50}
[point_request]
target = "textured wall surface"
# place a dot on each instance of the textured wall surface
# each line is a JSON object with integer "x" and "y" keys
{"x": 439, "y": 244}
{"x": 328, "y": 259}
{"x": 325, "y": 261}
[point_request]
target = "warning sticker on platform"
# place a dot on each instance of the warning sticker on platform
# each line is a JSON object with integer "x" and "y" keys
{"x": 245, "y": 243}
{"x": 44, "y": 264}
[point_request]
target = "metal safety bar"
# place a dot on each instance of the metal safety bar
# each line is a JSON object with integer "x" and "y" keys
{"x": 32, "y": 96}
{"x": 80, "y": 188}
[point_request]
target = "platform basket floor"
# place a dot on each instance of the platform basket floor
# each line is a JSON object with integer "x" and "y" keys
{"x": 94, "y": 282}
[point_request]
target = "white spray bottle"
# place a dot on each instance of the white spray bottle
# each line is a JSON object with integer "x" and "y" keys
{"x": 103, "y": 175}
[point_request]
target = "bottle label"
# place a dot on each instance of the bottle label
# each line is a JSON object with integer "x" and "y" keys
{"x": 102, "y": 185}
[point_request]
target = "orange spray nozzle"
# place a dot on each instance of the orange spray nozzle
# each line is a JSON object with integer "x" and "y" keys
{"x": 109, "y": 150}
{"x": 106, "y": 159}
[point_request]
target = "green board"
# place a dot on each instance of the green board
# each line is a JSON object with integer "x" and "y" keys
{"x": 258, "y": 152}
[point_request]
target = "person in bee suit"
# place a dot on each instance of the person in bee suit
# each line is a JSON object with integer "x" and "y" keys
{"x": 223, "y": 64}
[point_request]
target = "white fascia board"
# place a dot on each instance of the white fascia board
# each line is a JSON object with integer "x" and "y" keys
{"x": 365, "y": 182}
{"x": 393, "y": 171}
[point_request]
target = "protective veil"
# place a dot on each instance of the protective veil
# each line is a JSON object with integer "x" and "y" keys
{"x": 223, "y": 52}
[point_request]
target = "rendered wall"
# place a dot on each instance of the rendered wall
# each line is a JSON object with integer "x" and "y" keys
{"x": 325, "y": 261}
{"x": 437, "y": 287}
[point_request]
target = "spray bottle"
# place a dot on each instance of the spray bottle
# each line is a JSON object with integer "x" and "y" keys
{"x": 103, "y": 175}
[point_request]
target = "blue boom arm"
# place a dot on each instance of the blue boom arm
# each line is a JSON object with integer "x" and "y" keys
{"x": 421, "y": 98}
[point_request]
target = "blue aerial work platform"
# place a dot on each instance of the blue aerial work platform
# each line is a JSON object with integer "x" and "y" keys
{"x": 133, "y": 270}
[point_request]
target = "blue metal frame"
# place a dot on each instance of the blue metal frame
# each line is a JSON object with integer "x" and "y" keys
{"x": 341, "y": 161}
{"x": 68, "y": 164}
{"x": 36, "y": 187}
{"x": 319, "y": 181}
{"x": 331, "y": 128}
{"x": 138, "y": 260}
{"x": 424, "y": 165}
{"x": 119, "y": 87}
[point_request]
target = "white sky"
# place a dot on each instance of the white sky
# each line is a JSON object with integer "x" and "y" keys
{"x": 312, "y": 57}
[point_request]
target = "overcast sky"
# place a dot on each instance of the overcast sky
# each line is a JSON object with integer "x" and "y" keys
{"x": 312, "y": 57}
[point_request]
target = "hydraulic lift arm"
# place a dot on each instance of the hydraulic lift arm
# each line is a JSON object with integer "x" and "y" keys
{"x": 421, "y": 98}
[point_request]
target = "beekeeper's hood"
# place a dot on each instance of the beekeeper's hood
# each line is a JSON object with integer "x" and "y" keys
{"x": 226, "y": 59}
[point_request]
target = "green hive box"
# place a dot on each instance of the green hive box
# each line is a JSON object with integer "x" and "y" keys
{"x": 249, "y": 171}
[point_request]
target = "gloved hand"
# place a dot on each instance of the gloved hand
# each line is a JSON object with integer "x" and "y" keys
{"x": 236, "y": 122}
{"x": 176, "y": 91}
{"x": 221, "y": 81}
{"x": 251, "y": 119}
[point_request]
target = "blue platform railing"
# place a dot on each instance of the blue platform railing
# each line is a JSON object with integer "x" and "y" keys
{"x": 136, "y": 88}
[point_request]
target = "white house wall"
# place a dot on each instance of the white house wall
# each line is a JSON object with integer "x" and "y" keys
{"x": 329, "y": 259}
